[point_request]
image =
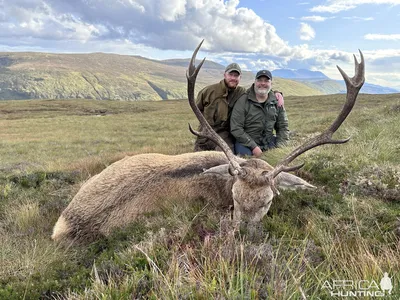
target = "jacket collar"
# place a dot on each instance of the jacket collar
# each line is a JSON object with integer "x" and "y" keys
{"x": 223, "y": 87}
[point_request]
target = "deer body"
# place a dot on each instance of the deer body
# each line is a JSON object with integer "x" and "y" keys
{"x": 135, "y": 185}
{"x": 145, "y": 183}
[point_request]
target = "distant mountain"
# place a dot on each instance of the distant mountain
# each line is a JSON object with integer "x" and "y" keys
{"x": 369, "y": 88}
{"x": 32, "y": 75}
{"x": 331, "y": 86}
{"x": 319, "y": 81}
{"x": 299, "y": 74}
{"x": 338, "y": 86}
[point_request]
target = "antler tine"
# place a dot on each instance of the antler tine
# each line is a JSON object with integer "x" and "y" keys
{"x": 206, "y": 130}
{"x": 353, "y": 86}
{"x": 192, "y": 70}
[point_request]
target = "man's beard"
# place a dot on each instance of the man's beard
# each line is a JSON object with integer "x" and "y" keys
{"x": 231, "y": 84}
{"x": 262, "y": 91}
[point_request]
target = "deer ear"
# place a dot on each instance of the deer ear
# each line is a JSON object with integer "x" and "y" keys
{"x": 222, "y": 170}
{"x": 289, "y": 181}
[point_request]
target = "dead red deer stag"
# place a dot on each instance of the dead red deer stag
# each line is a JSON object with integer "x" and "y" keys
{"x": 144, "y": 183}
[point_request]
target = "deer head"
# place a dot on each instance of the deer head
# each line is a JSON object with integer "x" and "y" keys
{"x": 255, "y": 180}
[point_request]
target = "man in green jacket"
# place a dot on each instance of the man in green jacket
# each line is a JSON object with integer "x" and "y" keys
{"x": 255, "y": 117}
{"x": 216, "y": 102}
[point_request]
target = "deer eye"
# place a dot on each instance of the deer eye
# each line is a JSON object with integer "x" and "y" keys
{"x": 243, "y": 173}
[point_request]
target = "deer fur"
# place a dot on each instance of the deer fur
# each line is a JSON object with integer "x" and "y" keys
{"x": 142, "y": 183}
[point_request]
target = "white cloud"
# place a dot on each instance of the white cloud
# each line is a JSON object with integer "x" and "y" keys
{"x": 335, "y": 6}
{"x": 175, "y": 24}
{"x": 314, "y": 18}
{"x": 359, "y": 18}
{"x": 380, "y": 54}
{"x": 260, "y": 64}
{"x": 160, "y": 29}
{"x": 385, "y": 37}
{"x": 171, "y": 10}
{"x": 37, "y": 20}
{"x": 381, "y": 66}
{"x": 383, "y": 62}
{"x": 132, "y": 4}
{"x": 307, "y": 33}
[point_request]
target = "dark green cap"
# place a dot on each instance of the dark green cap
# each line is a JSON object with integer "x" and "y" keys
{"x": 233, "y": 67}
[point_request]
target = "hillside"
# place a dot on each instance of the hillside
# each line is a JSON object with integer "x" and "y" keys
{"x": 109, "y": 76}
{"x": 319, "y": 81}
{"x": 327, "y": 86}
{"x": 92, "y": 76}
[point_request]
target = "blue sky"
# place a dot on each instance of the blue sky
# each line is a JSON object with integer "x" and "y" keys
{"x": 316, "y": 35}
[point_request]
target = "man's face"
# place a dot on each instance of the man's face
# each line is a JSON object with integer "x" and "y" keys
{"x": 262, "y": 85}
{"x": 232, "y": 79}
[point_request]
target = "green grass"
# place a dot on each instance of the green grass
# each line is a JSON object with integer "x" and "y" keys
{"x": 50, "y": 135}
{"x": 347, "y": 229}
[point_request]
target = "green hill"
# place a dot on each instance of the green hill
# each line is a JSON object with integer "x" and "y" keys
{"x": 109, "y": 76}
{"x": 327, "y": 86}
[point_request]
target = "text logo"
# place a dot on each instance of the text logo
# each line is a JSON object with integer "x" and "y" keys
{"x": 359, "y": 288}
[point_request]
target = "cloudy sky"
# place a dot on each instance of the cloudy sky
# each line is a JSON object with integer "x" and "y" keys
{"x": 316, "y": 35}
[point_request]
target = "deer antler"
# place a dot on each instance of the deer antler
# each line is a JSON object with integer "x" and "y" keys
{"x": 206, "y": 130}
{"x": 353, "y": 86}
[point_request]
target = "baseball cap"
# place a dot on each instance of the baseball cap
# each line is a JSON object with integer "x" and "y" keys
{"x": 264, "y": 73}
{"x": 233, "y": 67}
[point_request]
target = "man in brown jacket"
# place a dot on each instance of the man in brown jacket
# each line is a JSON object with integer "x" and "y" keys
{"x": 216, "y": 102}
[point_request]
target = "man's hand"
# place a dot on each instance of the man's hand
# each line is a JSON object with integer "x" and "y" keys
{"x": 279, "y": 97}
{"x": 257, "y": 151}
